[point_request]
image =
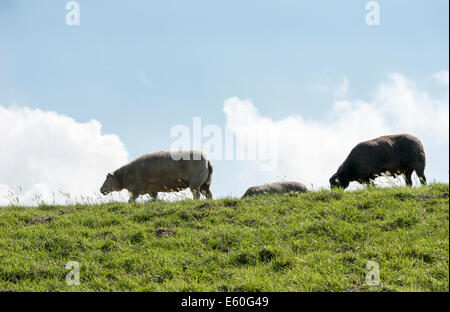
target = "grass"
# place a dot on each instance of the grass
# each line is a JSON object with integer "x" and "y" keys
{"x": 319, "y": 241}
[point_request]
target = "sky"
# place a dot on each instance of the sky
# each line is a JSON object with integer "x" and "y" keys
{"x": 79, "y": 101}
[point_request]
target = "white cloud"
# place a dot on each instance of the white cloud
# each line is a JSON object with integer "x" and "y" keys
{"x": 337, "y": 86}
{"x": 310, "y": 151}
{"x": 442, "y": 78}
{"x": 144, "y": 79}
{"x": 404, "y": 106}
{"x": 341, "y": 90}
{"x": 44, "y": 153}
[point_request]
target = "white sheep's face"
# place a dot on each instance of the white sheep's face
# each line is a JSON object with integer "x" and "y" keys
{"x": 110, "y": 185}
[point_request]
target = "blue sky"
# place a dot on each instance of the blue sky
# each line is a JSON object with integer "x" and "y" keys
{"x": 197, "y": 54}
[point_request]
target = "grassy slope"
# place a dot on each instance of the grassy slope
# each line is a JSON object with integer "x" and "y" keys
{"x": 313, "y": 242}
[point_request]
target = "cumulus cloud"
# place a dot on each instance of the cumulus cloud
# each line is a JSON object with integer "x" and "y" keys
{"x": 342, "y": 89}
{"x": 143, "y": 78}
{"x": 337, "y": 86}
{"x": 442, "y": 77}
{"x": 311, "y": 150}
{"x": 45, "y": 153}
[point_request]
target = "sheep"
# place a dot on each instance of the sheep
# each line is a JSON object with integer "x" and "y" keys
{"x": 276, "y": 188}
{"x": 162, "y": 172}
{"x": 401, "y": 154}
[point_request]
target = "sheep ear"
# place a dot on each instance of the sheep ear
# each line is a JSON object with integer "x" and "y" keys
{"x": 109, "y": 175}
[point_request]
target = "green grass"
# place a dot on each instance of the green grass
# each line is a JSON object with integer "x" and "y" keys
{"x": 320, "y": 241}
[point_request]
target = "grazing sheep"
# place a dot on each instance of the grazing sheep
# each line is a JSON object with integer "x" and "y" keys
{"x": 400, "y": 154}
{"x": 276, "y": 188}
{"x": 162, "y": 172}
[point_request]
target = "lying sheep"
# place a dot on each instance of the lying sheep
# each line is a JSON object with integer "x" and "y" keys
{"x": 162, "y": 172}
{"x": 391, "y": 153}
{"x": 276, "y": 188}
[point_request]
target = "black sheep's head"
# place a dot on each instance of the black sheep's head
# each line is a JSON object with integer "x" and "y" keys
{"x": 339, "y": 180}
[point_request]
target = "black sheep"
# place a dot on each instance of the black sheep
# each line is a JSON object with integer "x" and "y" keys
{"x": 400, "y": 154}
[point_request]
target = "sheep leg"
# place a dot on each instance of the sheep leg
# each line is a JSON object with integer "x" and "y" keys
{"x": 421, "y": 175}
{"x": 134, "y": 194}
{"x": 195, "y": 192}
{"x": 195, "y": 189}
{"x": 206, "y": 191}
{"x": 408, "y": 177}
{"x": 133, "y": 197}
{"x": 153, "y": 195}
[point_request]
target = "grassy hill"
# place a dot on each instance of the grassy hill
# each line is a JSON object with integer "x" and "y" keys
{"x": 320, "y": 241}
